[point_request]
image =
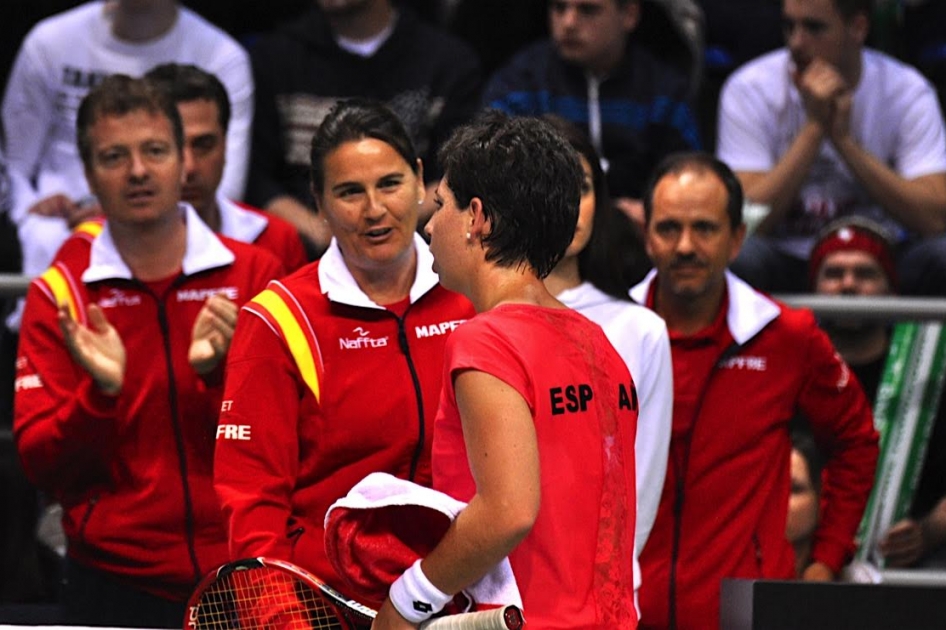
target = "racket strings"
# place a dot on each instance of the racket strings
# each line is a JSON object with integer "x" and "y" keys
{"x": 264, "y": 599}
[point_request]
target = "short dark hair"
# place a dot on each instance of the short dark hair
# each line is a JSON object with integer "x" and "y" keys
{"x": 851, "y": 8}
{"x": 118, "y": 95}
{"x": 698, "y": 161}
{"x": 529, "y": 180}
{"x": 358, "y": 119}
{"x": 614, "y": 259}
{"x": 187, "y": 82}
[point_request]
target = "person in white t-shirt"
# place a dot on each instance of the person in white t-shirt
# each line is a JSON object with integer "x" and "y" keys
{"x": 825, "y": 128}
{"x": 60, "y": 59}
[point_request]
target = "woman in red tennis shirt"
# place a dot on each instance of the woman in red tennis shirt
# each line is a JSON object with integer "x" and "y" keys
{"x": 537, "y": 421}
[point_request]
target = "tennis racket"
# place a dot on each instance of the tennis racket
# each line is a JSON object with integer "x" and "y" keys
{"x": 277, "y": 595}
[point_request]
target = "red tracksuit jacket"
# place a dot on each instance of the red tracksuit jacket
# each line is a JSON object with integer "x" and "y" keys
{"x": 725, "y": 500}
{"x": 324, "y": 387}
{"x": 133, "y": 472}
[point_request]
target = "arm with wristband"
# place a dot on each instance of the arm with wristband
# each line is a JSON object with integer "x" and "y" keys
{"x": 500, "y": 436}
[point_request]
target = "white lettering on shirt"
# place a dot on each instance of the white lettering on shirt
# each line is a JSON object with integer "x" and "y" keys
{"x": 433, "y": 330}
{"x": 362, "y": 342}
{"x": 233, "y": 432}
{"x": 201, "y": 295}
{"x": 753, "y": 364}
{"x": 31, "y": 381}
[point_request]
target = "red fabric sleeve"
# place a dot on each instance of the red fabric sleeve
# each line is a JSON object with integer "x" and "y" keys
{"x": 255, "y": 477}
{"x": 843, "y": 426}
{"x": 65, "y": 426}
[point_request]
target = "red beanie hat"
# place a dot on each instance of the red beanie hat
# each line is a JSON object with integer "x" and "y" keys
{"x": 853, "y": 234}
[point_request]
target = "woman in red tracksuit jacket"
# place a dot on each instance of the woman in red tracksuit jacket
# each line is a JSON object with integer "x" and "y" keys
{"x": 335, "y": 371}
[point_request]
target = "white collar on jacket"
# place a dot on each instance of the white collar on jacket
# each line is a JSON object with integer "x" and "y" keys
{"x": 203, "y": 251}
{"x": 339, "y": 285}
{"x": 749, "y": 311}
{"x": 239, "y": 223}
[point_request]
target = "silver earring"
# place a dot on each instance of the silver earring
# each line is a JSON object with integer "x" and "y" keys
{"x": 420, "y": 202}
{"x": 469, "y": 237}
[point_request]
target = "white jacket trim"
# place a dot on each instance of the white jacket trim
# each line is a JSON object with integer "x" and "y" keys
{"x": 749, "y": 311}
{"x": 203, "y": 251}
{"x": 239, "y": 223}
{"x": 340, "y": 286}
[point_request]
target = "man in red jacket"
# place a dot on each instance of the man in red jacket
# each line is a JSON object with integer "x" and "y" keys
{"x": 743, "y": 365}
{"x": 120, "y": 370}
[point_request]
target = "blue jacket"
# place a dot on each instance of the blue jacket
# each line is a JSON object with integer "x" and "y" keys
{"x": 645, "y": 113}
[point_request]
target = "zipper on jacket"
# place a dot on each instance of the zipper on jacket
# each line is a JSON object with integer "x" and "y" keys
{"x": 189, "y": 526}
{"x": 679, "y": 487}
{"x": 680, "y": 468}
{"x": 757, "y": 545}
{"x": 85, "y": 518}
{"x": 421, "y": 429}
{"x": 294, "y": 535}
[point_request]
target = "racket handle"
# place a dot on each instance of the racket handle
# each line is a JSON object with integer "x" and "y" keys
{"x": 508, "y": 618}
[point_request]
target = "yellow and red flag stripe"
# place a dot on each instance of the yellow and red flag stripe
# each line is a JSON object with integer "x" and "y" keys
{"x": 60, "y": 286}
{"x": 283, "y": 312}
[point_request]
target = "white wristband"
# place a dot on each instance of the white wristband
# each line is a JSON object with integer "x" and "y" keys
{"x": 415, "y": 597}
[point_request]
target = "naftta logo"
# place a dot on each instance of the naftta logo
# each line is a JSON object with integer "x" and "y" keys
{"x": 116, "y": 297}
{"x": 363, "y": 340}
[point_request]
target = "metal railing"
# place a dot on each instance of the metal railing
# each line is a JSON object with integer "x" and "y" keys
{"x": 892, "y": 308}
{"x": 889, "y": 308}
{"x": 13, "y": 285}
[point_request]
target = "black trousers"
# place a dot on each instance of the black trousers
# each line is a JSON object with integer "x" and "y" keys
{"x": 95, "y": 598}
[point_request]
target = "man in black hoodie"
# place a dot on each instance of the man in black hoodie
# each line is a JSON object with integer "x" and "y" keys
{"x": 344, "y": 49}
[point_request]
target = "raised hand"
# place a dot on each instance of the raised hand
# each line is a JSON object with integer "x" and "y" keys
{"x": 212, "y": 333}
{"x": 820, "y": 84}
{"x": 57, "y": 205}
{"x": 97, "y": 348}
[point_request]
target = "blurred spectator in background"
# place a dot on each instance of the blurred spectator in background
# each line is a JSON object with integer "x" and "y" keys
{"x": 597, "y": 72}
{"x": 803, "y": 502}
{"x": 855, "y": 257}
{"x": 60, "y": 59}
{"x": 344, "y": 49}
{"x": 825, "y": 128}
{"x": 205, "y": 112}
{"x": 120, "y": 370}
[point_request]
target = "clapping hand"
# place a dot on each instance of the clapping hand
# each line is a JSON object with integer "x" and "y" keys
{"x": 212, "y": 333}
{"x": 97, "y": 347}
